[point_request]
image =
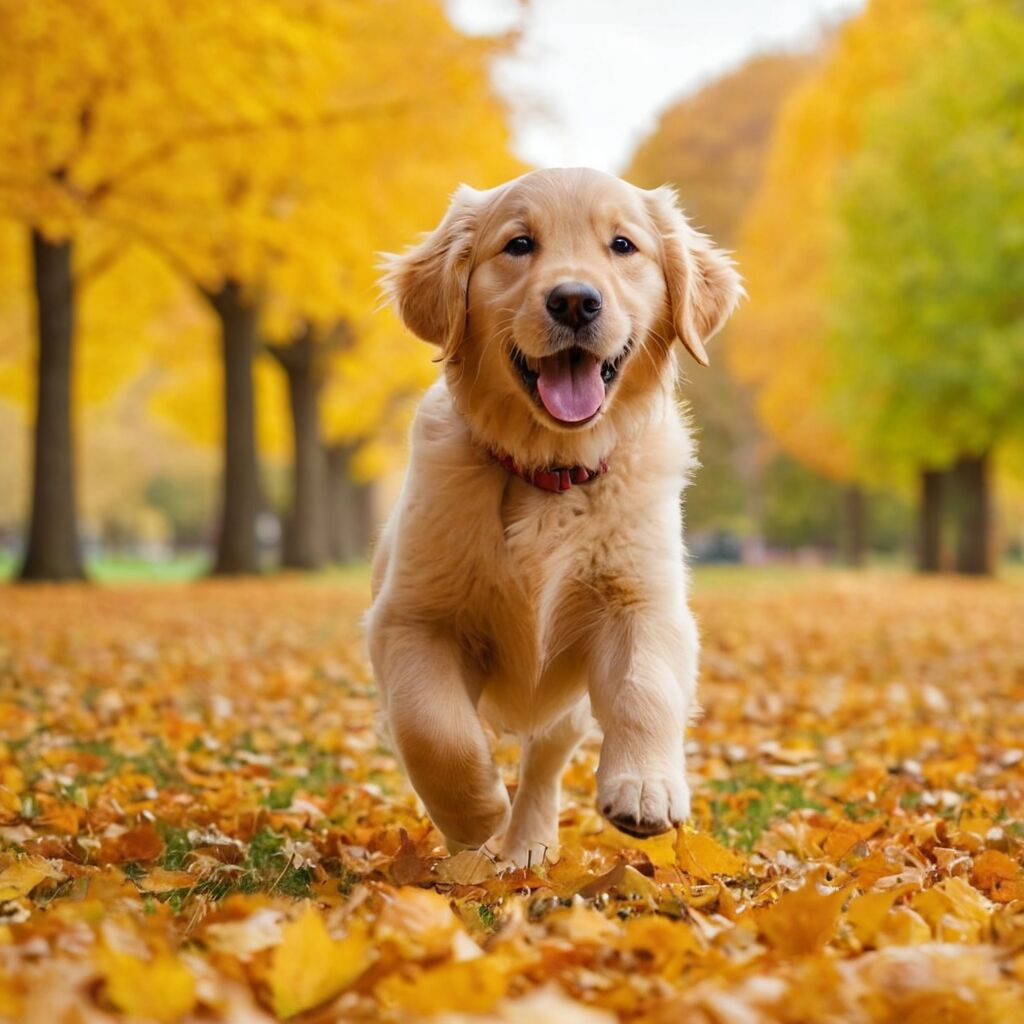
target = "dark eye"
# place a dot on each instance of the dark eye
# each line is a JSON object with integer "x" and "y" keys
{"x": 520, "y": 246}
{"x": 622, "y": 245}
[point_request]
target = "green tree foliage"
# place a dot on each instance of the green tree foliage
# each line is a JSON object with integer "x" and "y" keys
{"x": 928, "y": 326}
{"x": 884, "y": 251}
{"x": 928, "y": 329}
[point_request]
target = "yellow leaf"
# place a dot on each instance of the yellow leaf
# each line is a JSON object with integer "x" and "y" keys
{"x": 660, "y": 849}
{"x": 582, "y": 925}
{"x": 21, "y": 877}
{"x": 161, "y": 989}
{"x": 419, "y": 922}
{"x": 472, "y": 986}
{"x": 867, "y": 912}
{"x": 309, "y": 967}
{"x": 802, "y": 920}
{"x": 12, "y": 779}
{"x": 703, "y": 857}
{"x": 955, "y": 910}
{"x": 665, "y": 941}
{"x": 903, "y": 927}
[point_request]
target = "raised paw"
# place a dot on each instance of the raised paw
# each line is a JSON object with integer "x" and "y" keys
{"x": 644, "y": 806}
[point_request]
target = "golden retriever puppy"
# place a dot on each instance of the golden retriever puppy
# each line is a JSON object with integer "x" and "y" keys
{"x": 532, "y": 573}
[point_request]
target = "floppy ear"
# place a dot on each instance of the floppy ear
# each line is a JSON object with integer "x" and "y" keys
{"x": 428, "y": 283}
{"x": 703, "y": 285}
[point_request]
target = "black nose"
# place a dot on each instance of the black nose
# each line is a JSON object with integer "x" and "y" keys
{"x": 574, "y": 304}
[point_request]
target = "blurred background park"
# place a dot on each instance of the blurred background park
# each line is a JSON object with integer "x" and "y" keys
{"x": 195, "y": 371}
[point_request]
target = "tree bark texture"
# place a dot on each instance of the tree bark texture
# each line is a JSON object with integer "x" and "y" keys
{"x": 973, "y": 515}
{"x": 52, "y": 550}
{"x": 929, "y": 525}
{"x": 855, "y": 526}
{"x": 349, "y": 508}
{"x": 305, "y": 536}
{"x": 237, "y": 551}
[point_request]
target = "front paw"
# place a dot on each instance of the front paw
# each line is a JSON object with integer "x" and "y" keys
{"x": 644, "y": 805}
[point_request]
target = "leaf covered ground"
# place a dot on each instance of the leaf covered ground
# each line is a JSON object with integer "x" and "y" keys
{"x": 197, "y": 823}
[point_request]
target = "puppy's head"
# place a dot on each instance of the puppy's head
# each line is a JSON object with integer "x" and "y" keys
{"x": 554, "y": 300}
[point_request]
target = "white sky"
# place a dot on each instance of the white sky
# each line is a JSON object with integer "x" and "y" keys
{"x": 590, "y": 77}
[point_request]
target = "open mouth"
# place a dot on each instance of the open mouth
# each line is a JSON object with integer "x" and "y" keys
{"x": 570, "y": 385}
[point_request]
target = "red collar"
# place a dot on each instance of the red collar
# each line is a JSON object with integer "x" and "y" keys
{"x": 551, "y": 478}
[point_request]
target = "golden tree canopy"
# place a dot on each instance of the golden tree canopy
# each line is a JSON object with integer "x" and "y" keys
{"x": 778, "y": 342}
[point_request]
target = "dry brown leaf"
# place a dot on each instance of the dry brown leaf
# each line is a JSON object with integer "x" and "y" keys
{"x": 469, "y": 867}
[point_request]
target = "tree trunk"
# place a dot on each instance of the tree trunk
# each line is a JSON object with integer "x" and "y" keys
{"x": 973, "y": 516}
{"x": 52, "y": 551}
{"x": 854, "y": 526}
{"x": 236, "y": 540}
{"x": 349, "y": 508}
{"x": 305, "y": 537}
{"x": 929, "y": 527}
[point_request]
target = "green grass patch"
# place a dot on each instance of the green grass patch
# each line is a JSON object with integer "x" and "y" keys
{"x": 758, "y": 801}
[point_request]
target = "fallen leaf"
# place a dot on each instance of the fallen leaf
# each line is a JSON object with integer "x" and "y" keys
{"x": 993, "y": 867}
{"x": 473, "y": 986}
{"x": 160, "y": 880}
{"x": 243, "y": 939}
{"x": 419, "y": 922}
{"x": 138, "y": 844}
{"x": 21, "y": 877}
{"x": 161, "y": 988}
{"x": 469, "y": 867}
{"x": 802, "y": 920}
{"x": 866, "y": 913}
{"x": 703, "y": 857}
{"x": 309, "y": 967}
{"x": 660, "y": 850}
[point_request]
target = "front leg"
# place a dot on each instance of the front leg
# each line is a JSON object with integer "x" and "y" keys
{"x": 642, "y": 687}
{"x": 437, "y": 733}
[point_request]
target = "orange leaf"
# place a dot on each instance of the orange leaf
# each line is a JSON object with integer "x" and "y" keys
{"x": 993, "y": 867}
{"x": 138, "y": 844}
{"x": 841, "y": 839}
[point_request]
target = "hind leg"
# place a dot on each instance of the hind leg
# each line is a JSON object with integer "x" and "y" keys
{"x": 533, "y": 831}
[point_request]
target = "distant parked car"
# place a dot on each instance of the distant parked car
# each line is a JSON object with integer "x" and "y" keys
{"x": 716, "y": 546}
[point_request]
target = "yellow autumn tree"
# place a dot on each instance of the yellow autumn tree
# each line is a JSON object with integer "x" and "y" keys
{"x": 236, "y": 147}
{"x": 350, "y": 190}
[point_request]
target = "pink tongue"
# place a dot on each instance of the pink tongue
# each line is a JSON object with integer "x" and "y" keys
{"x": 570, "y": 386}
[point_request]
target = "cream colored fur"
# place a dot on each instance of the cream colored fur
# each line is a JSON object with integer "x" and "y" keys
{"x": 496, "y": 601}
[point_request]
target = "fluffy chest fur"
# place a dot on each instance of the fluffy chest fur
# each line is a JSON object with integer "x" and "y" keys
{"x": 523, "y": 580}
